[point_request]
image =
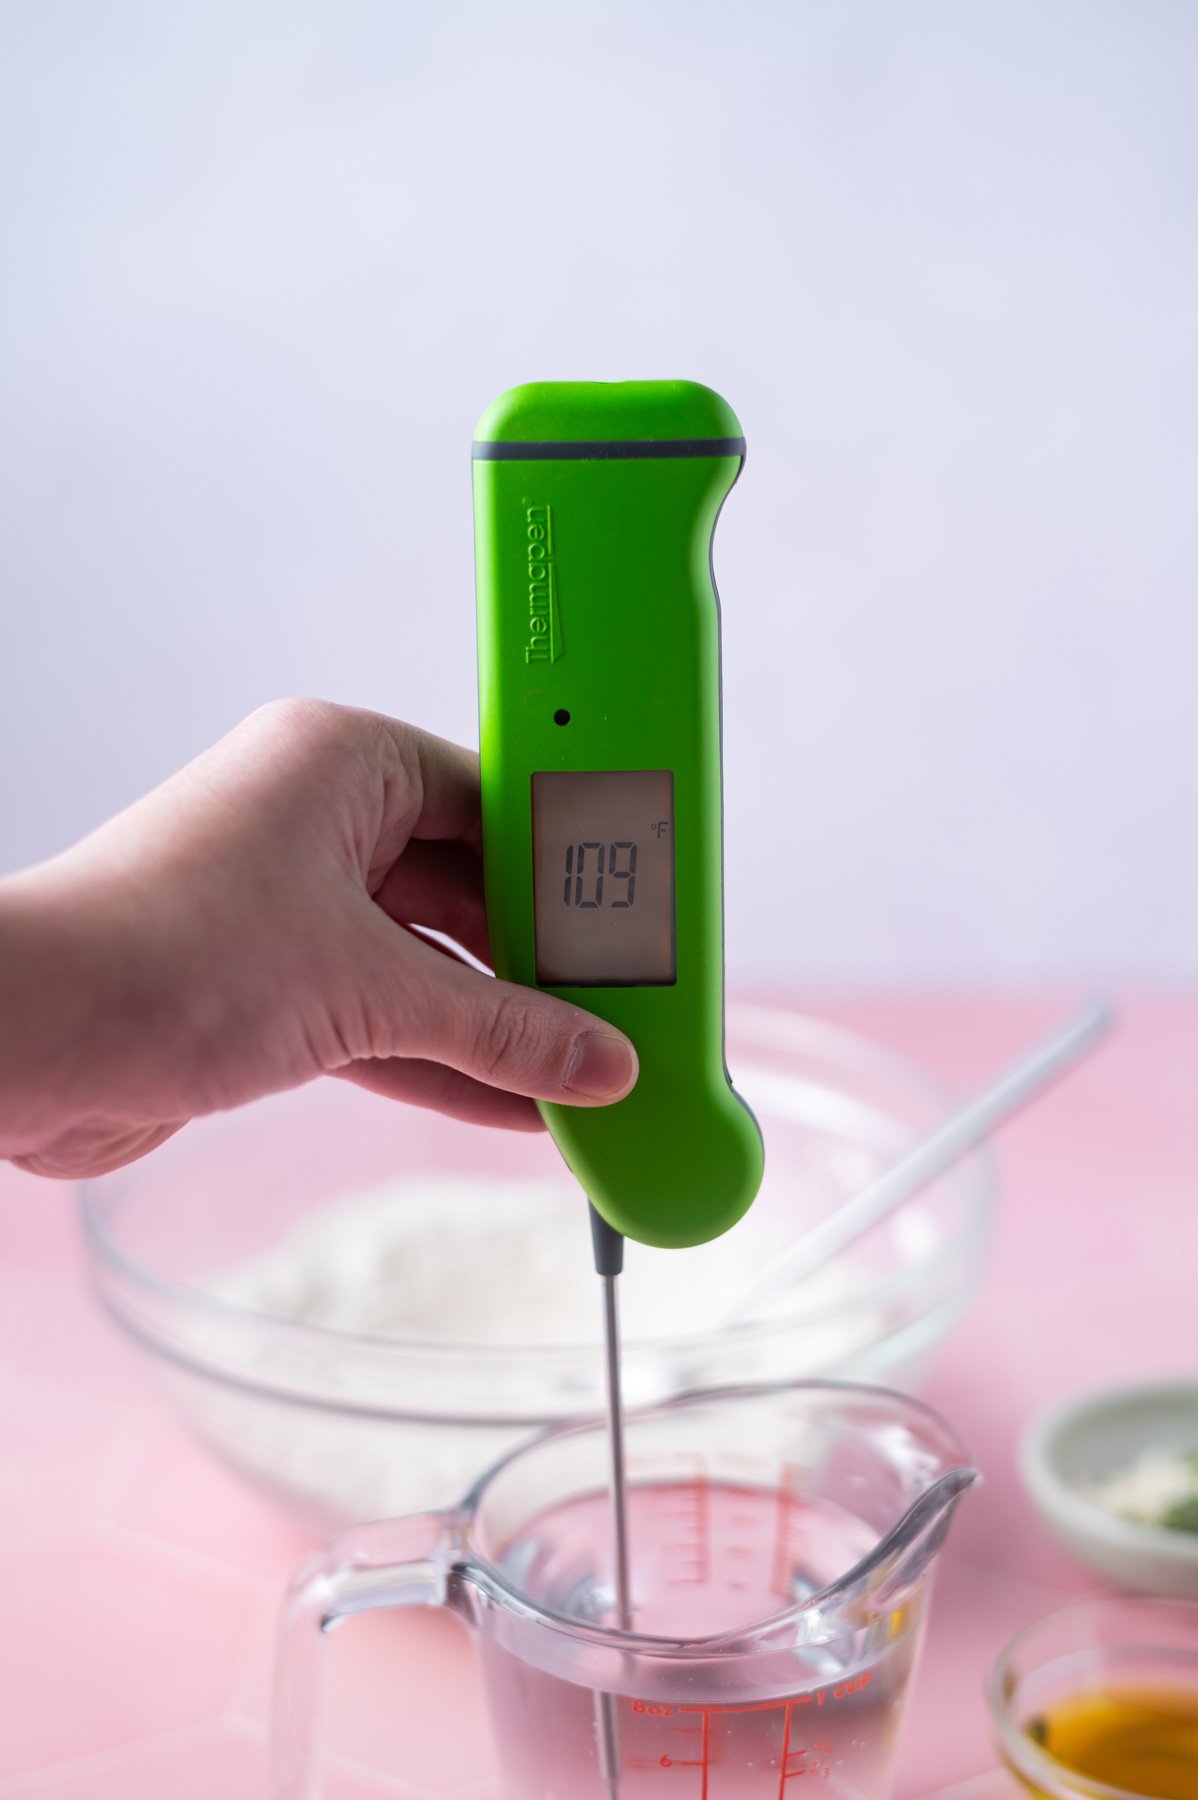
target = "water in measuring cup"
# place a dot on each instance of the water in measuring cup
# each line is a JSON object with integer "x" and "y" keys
{"x": 707, "y": 1558}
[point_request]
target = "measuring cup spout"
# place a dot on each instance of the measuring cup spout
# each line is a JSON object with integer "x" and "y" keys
{"x": 906, "y": 1553}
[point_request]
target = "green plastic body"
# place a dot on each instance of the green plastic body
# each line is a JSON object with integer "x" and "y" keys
{"x": 634, "y": 474}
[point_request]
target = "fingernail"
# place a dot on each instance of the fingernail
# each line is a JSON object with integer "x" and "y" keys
{"x": 602, "y": 1066}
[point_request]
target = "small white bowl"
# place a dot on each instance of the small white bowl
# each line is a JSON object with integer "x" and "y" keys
{"x": 1088, "y": 1440}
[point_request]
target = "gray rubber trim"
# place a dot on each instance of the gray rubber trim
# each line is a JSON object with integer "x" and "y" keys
{"x": 602, "y": 452}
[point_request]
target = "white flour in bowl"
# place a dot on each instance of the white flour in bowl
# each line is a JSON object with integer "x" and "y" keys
{"x": 450, "y": 1259}
{"x": 445, "y": 1260}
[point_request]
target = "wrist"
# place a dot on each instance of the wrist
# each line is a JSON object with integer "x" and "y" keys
{"x": 63, "y": 1052}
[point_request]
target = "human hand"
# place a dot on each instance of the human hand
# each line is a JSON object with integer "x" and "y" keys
{"x": 253, "y": 923}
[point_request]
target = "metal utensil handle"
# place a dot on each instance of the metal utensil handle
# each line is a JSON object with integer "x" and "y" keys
{"x": 930, "y": 1158}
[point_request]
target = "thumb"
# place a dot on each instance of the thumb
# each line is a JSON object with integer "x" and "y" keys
{"x": 514, "y": 1037}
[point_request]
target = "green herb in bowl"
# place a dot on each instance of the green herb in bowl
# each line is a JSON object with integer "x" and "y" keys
{"x": 1159, "y": 1488}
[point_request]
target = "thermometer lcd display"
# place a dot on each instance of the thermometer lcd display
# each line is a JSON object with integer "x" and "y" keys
{"x": 603, "y": 878}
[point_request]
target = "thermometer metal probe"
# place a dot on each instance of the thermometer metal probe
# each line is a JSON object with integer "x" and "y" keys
{"x": 599, "y": 704}
{"x": 609, "y": 1263}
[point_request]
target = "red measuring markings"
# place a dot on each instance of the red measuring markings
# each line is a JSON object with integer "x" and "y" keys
{"x": 811, "y": 1759}
{"x": 789, "y": 1530}
{"x": 687, "y": 1505}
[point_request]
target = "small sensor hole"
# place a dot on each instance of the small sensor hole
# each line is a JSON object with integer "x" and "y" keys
{"x": 561, "y": 716}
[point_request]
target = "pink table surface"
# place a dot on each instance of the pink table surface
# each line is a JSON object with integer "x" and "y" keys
{"x": 140, "y": 1580}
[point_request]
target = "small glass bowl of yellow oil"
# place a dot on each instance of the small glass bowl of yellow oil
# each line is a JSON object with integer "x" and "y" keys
{"x": 1101, "y": 1700}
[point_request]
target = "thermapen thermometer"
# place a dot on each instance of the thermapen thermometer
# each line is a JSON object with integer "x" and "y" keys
{"x": 599, "y": 698}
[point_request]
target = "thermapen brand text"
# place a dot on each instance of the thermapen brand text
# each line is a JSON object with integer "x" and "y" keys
{"x": 544, "y": 626}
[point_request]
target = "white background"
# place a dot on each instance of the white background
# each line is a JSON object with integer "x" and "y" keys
{"x": 265, "y": 264}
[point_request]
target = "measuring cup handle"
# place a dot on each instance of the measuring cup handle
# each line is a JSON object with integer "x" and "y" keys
{"x": 402, "y": 1562}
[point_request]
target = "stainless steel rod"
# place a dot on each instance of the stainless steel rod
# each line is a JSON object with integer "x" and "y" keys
{"x": 606, "y": 1726}
{"x": 609, "y": 1261}
{"x": 607, "y": 1732}
{"x": 615, "y": 1440}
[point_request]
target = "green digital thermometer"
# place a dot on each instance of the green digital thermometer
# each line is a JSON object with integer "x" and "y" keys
{"x": 599, "y": 691}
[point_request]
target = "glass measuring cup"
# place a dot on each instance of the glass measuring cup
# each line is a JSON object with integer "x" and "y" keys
{"x": 782, "y": 1540}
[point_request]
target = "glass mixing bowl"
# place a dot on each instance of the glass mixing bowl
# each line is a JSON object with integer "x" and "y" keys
{"x": 345, "y": 1426}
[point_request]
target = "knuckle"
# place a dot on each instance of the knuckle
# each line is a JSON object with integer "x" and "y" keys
{"x": 511, "y": 1037}
{"x": 299, "y": 729}
{"x": 308, "y": 735}
{"x": 296, "y": 713}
